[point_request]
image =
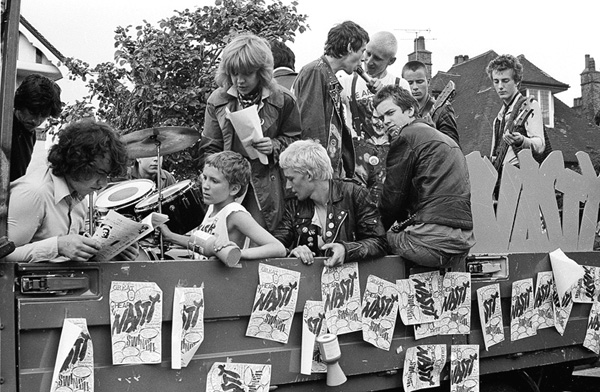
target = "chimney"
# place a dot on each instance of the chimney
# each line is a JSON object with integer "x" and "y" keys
{"x": 461, "y": 58}
{"x": 421, "y": 54}
{"x": 589, "y": 104}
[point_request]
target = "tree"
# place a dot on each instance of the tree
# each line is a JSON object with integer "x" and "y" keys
{"x": 162, "y": 75}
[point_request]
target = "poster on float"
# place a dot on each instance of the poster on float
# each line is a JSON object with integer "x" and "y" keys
{"x": 464, "y": 368}
{"x": 187, "y": 331}
{"x": 74, "y": 367}
{"x": 490, "y": 314}
{"x": 420, "y": 298}
{"x": 544, "y": 310}
{"x": 340, "y": 293}
{"x": 588, "y": 286}
{"x": 422, "y": 366}
{"x": 228, "y": 377}
{"x": 592, "y": 335}
{"x": 521, "y": 310}
{"x": 136, "y": 320}
{"x": 379, "y": 312}
{"x": 274, "y": 304}
{"x": 313, "y": 325}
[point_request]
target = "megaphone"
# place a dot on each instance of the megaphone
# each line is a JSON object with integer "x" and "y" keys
{"x": 331, "y": 354}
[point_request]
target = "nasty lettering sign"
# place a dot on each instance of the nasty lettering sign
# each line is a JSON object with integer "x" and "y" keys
{"x": 521, "y": 310}
{"x": 238, "y": 377}
{"x": 420, "y": 298}
{"x": 274, "y": 304}
{"x": 588, "y": 287}
{"x": 379, "y": 312}
{"x": 562, "y": 309}
{"x": 188, "y": 324}
{"x": 490, "y": 314}
{"x": 136, "y": 322}
{"x": 464, "y": 368}
{"x": 422, "y": 366}
{"x": 74, "y": 367}
{"x": 340, "y": 293}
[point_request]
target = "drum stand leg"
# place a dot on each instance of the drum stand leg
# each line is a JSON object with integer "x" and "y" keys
{"x": 161, "y": 256}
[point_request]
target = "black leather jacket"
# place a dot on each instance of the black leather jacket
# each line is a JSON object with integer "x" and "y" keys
{"x": 352, "y": 220}
{"x": 427, "y": 179}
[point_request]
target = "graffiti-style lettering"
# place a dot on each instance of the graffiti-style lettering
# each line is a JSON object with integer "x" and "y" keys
{"x": 463, "y": 369}
{"x": 456, "y": 297}
{"x": 135, "y": 315}
{"x": 521, "y": 303}
{"x": 425, "y": 299}
{"x": 190, "y": 314}
{"x": 594, "y": 323}
{"x": 489, "y": 306}
{"x": 315, "y": 324}
{"x": 231, "y": 380}
{"x": 341, "y": 293}
{"x": 277, "y": 297}
{"x": 542, "y": 294}
{"x": 381, "y": 306}
{"x": 424, "y": 366}
{"x": 77, "y": 352}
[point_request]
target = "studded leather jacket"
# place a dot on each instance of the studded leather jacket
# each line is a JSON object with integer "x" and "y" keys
{"x": 352, "y": 220}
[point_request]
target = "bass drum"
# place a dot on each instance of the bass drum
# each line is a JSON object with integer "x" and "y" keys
{"x": 123, "y": 197}
{"x": 182, "y": 202}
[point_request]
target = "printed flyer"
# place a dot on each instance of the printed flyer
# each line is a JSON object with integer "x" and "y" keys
{"x": 456, "y": 308}
{"x": 592, "y": 336}
{"x": 521, "y": 310}
{"x": 562, "y": 309}
{"x": 340, "y": 292}
{"x": 490, "y": 314}
{"x": 420, "y": 298}
{"x": 464, "y": 368}
{"x": 588, "y": 287}
{"x": 274, "y": 304}
{"x": 136, "y": 319}
{"x": 246, "y": 377}
{"x": 544, "y": 288}
{"x": 313, "y": 325}
{"x": 379, "y": 312}
{"x": 422, "y": 366}
{"x": 74, "y": 367}
{"x": 187, "y": 331}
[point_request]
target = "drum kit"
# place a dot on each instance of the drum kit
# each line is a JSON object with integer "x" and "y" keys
{"x": 182, "y": 202}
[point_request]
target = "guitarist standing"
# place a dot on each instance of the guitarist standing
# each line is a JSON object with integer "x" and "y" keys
{"x": 506, "y": 73}
{"x": 444, "y": 120}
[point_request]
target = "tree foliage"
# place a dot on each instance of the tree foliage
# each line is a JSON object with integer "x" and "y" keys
{"x": 162, "y": 75}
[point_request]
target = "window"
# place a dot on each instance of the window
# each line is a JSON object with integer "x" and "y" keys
{"x": 544, "y": 97}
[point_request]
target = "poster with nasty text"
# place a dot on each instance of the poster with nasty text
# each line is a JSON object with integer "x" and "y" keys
{"x": 562, "y": 308}
{"x": 313, "y": 325}
{"x": 340, "y": 293}
{"x": 464, "y": 368}
{"x": 521, "y": 310}
{"x": 592, "y": 335}
{"x": 274, "y": 304}
{"x": 187, "y": 331}
{"x": 379, "y": 312}
{"x": 420, "y": 298}
{"x": 74, "y": 367}
{"x": 543, "y": 316}
{"x": 490, "y": 314}
{"x": 422, "y": 366}
{"x": 136, "y": 320}
{"x": 588, "y": 287}
{"x": 227, "y": 377}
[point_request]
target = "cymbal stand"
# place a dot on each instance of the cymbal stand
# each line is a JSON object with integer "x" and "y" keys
{"x": 91, "y": 217}
{"x": 159, "y": 186}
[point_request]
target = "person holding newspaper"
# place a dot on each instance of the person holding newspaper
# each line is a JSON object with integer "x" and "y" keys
{"x": 245, "y": 77}
{"x": 48, "y": 208}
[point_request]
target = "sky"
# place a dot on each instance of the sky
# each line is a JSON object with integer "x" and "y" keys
{"x": 555, "y": 36}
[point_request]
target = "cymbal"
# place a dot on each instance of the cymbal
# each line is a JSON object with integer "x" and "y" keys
{"x": 143, "y": 143}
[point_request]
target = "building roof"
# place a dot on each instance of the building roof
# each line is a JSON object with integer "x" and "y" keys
{"x": 476, "y": 105}
{"x": 42, "y": 39}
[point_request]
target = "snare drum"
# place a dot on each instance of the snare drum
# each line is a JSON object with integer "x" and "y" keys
{"x": 123, "y": 197}
{"x": 182, "y": 202}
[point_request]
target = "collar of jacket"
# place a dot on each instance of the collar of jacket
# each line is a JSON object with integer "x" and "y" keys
{"x": 224, "y": 97}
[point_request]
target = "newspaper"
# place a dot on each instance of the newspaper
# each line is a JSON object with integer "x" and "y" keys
{"x": 117, "y": 232}
{"x": 247, "y": 125}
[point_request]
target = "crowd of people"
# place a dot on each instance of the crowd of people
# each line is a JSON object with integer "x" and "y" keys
{"x": 357, "y": 166}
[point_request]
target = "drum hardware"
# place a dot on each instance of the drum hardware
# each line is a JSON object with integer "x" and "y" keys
{"x": 152, "y": 141}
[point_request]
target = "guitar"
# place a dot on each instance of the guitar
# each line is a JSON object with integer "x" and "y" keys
{"x": 445, "y": 95}
{"x": 522, "y": 116}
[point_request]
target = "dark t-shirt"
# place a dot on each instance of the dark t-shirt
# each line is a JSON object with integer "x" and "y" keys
{"x": 21, "y": 149}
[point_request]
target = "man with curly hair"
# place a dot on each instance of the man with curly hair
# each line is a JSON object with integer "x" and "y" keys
{"x": 47, "y": 208}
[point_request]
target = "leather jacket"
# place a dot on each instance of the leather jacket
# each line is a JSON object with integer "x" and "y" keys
{"x": 352, "y": 220}
{"x": 427, "y": 180}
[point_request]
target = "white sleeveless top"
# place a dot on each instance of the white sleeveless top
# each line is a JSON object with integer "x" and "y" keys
{"x": 217, "y": 225}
